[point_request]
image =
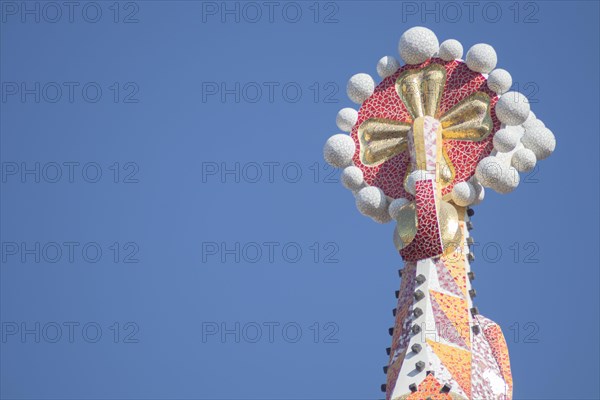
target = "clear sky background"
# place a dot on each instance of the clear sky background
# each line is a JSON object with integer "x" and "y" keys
{"x": 215, "y": 232}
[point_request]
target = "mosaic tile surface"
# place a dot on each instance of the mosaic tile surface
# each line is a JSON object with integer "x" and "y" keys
{"x": 385, "y": 103}
{"x": 427, "y": 242}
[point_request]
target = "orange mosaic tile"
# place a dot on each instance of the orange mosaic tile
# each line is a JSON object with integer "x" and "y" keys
{"x": 457, "y": 311}
{"x": 457, "y": 361}
{"x": 456, "y": 266}
{"x": 497, "y": 342}
{"x": 429, "y": 389}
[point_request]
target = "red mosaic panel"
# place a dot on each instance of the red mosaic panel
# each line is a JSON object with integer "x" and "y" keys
{"x": 427, "y": 242}
{"x": 402, "y": 325}
{"x": 483, "y": 364}
{"x": 385, "y": 103}
{"x": 404, "y": 309}
{"x": 457, "y": 311}
{"x": 446, "y": 280}
{"x": 445, "y": 327}
{"x": 495, "y": 338}
{"x": 393, "y": 372}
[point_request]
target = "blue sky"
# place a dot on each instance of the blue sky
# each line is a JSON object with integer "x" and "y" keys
{"x": 169, "y": 229}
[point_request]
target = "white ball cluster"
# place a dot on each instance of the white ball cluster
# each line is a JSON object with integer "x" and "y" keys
{"x": 512, "y": 108}
{"x": 450, "y": 49}
{"x": 360, "y": 87}
{"x": 339, "y": 150}
{"x": 481, "y": 58}
{"x": 463, "y": 194}
{"x": 395, "y": 206}
{"x": 494, "y": 174}
{"x": 523, "y": 160}
{"x": 533, "y": 122}
{"x": 531, "y": 118}
{"x": 506, "y": 139}
{"x": 540, "y": 140}
{"x": 382, "y": 218}
{"x": 499, "y": 81}
{"x": 417, "y": 45}
{"x": 386, "y": 66}
{"x": 346, "y": 118}
{"x": 371, "y": 201}
{"x": 353, "y": 178}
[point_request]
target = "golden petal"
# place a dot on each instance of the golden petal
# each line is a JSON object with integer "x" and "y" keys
{"x": 421, "y": 89}
{"x": 381, "y": 139}
{"x": 470, "y": 119}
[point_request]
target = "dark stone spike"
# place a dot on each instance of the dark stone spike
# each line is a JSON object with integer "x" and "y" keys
{"x": 470, "y": 212}
{"x": 384, "y": 388}
{"x": 416, "y": 329}
{"x": 412, "y": 387}
{"x": 446, "y": 388}
{"x": 420, "y": 366}
{"x": 388, "y": 350}
{"x": 391, "y": 331}
{"x": 476, "y": 329}
{"x": 474, "y": 311}
{"x": 416, "y": 347}
{"x": 420, "y": 279}
{"x": 473, "y": 293}
{"x": 471, "y": 276}
{"x": 419, "y": 295}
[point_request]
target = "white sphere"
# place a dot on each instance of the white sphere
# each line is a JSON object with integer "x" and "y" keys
{"x": 395, "y": 206}
{"x": 463, "y": 194}
{"x": 488, "y": 170}
{"x": 382, "y": 218}
{"x": 481, "y": 58}
{"x": 523, "y": 160}
{"x": 499, "y": 81}
{"x": 479, "y": 192}
{"x": 530, "y": 119}
{"x": 360, "y": 87}
{"x": 540, "y": 140}
{"x": 508, "y": 182}
{"x": 535, "y": 123}
{"x": 506, "y": 139}
{"x": 512, "y": 108}
{"x": 450, "y": 49}
{"x": 353, "y": 178}
{"x": 386, "y": 66}
{"x": 417, "y": 45}
{"x": 412, "y": 178}
{"x": 339, "y": 150}
{"x": 492, "y": 173}
{"x": 371, "y": 201}
{"x": 346, "y": 118}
